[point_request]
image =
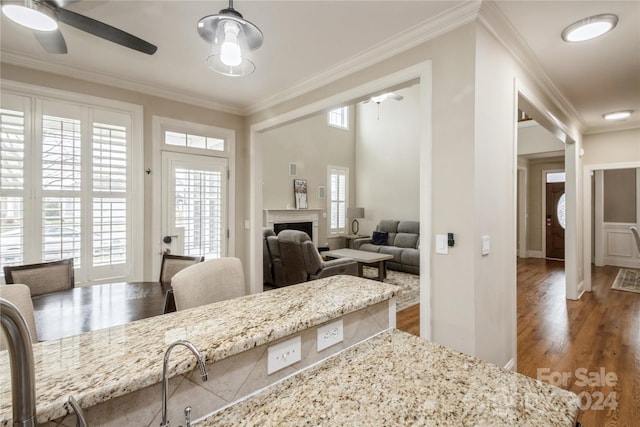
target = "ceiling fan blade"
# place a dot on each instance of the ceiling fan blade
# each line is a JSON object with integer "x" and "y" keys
{"x": 102, "y": 30}
{"x": 396, "y": 96}
{"x": 51, "y": 41}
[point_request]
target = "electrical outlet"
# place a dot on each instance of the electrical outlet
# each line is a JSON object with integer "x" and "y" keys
{"x": 330, "y": 334}
{"x": 283, "y": 354}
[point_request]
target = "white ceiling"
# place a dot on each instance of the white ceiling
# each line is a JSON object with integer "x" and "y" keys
{"x": 308, "y": 43}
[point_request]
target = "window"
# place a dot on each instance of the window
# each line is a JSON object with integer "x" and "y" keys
{"x": 65, "y": 185}
{"x": 338, "y": 184}
{"x": 193, "y": 141}
{"x": 339, "y": 118}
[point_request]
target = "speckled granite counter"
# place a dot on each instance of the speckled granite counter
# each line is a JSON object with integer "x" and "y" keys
{"x": 397, "y": 379}
{"x": 101, "y": 365}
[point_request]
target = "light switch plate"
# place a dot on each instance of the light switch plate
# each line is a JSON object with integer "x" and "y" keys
{"x": 442, "y": 246}
{"x": 486, "y": 245}
{"x": 330, "y": 334}
{"x": 283, "y": 354}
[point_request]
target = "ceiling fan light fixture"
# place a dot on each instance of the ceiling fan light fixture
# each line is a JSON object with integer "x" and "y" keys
{"x": 617, "y": 115}
{"x": 380, "y": 98}
{"x": 31, "y": 15}
{"x": 590, "y": 28}
{"x": 230, "y": 37}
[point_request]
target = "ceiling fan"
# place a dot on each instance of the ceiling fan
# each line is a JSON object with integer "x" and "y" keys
{"x": 42, "y": 16}
{"x": 382, "y": 97}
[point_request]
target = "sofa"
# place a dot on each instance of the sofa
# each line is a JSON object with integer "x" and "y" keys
{"x": 398, "y": 238}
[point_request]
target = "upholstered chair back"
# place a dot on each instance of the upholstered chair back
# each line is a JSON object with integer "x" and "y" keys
{"x": 208, "y": 282}
{"x": 171, "y": 264}
{"x": 292, "y": 255}
{"x": 20, "y": 296}
{"x": 44, "y": 277}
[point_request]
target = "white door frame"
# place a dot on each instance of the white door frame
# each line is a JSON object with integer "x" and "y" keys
{"x": 420, "y": 71}
{"x": 586, "y": 210}
{"x": 159, "y": 124}
{"x": 523, "y": 209}
{"x": 573, "y": 144}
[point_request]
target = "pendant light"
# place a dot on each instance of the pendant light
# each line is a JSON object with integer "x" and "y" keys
{"x": 230, "y": 37}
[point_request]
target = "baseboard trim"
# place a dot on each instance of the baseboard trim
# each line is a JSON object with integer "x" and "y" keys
{"x": 535, "y": 254}
{"x": 510, "y": 364}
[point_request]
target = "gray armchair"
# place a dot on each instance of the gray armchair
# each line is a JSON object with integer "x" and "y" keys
{"x": 271, "y": 263}
{"x": 301, "y": 261}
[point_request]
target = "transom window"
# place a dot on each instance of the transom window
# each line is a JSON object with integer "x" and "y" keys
{"x": 193, "y": 141}
{"x": 339, "y": 118}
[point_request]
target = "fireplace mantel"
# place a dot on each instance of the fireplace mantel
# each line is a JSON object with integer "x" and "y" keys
{"x": 278, "y": 216}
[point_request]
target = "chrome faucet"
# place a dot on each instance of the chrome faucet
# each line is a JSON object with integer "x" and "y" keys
{"x": 165, "y": 377}
{"x": 23, "y": 377}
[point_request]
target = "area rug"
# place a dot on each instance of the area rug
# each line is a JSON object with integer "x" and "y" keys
{"x": 410, "y": 284}
{"x": 627, "y": 280}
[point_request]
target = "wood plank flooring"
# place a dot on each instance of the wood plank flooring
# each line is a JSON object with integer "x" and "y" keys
{"x": 579, "y": 345}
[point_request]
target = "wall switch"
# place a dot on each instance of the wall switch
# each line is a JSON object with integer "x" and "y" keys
{"x": 442, "y": 244}
{"x": 486, "y": 245}
{"x": 247, "y": 224}
{"x": 283, "y": 354}
{"x": 330, "y": 334}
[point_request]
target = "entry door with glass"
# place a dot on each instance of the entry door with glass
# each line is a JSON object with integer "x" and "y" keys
{"x": 195, "y": 194}
{"x": 555, "y": 215}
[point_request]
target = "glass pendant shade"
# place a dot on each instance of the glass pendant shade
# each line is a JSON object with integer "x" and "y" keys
{"x": 31, "y": 15}
{"x": 231, "y": 37}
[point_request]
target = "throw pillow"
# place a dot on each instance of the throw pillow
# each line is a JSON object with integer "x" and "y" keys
{"x": 379, "y": 237}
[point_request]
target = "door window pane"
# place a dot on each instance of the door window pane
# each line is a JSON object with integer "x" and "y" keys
{"x": 561, "y": 210}
{"x": 199, "y": 198}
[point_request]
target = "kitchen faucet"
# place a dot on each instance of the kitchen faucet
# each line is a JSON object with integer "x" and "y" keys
{"x": 165, "y": 378}
{"x": 23, "y": 377}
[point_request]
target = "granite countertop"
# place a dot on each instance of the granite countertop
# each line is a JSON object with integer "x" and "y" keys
{"x": 398, "y": 379}
{"x": 101, "y": 365}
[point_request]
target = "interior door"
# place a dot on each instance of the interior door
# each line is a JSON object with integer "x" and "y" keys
{"x": 194, "y": 203}
{"x": 555, "y": 220}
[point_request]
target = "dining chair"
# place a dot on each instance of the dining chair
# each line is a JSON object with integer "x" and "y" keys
{"x": 636, "y": 236}
{"x": 20, "y": 296}
{"x": 208, "y": 282}
{"x": 42, "y": 278}
{"x": 171, "y": 264}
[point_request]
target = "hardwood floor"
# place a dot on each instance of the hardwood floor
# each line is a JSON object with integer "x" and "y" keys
{"x": 408, "y": 320}
{"x": 594, "y": 342}
{"x": 590, "y": 346}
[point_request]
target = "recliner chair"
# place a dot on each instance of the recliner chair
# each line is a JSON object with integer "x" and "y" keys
{"x": 302, "y": 262}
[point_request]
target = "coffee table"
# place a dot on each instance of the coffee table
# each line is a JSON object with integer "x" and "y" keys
{"x": 363, "y": 257}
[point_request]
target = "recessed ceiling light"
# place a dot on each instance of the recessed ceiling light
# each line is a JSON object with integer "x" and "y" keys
{"x": 617, "y": 115}
{"x": 590, "y": 28}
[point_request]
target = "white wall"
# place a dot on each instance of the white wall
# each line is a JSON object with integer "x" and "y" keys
{"x": 312, "y": 145}
{"x": 611, "y": 147}
{"x": 387, "y": 168}
{"x": 536, "y": 139}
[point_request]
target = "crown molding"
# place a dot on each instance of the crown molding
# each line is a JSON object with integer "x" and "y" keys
{"x": 14, "y": 58}
{"x": 492, "y": 18}
{"x": 613, "y": 128}
{"x": 412, "y": 37}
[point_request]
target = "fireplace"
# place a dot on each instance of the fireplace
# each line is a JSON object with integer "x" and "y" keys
{"x": 297, "y": 219}
{"x": 307, "y": 227}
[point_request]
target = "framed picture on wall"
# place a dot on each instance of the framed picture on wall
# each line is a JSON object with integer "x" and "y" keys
{"x": 300, "y": 193}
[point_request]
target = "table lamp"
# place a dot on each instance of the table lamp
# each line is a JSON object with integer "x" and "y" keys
{"x": 355, "y": 213}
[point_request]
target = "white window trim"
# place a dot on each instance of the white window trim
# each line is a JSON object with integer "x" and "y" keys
{"x": 135, "y": 215}
{"x": 159, "y": 126}
{"x": 330, "y": 232}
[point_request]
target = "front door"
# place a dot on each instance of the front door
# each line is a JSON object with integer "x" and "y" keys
{"x": 555, "y": 220}
{"x": 194, "y": 205}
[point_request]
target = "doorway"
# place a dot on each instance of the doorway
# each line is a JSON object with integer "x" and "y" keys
{"x": 555, "y": 214}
